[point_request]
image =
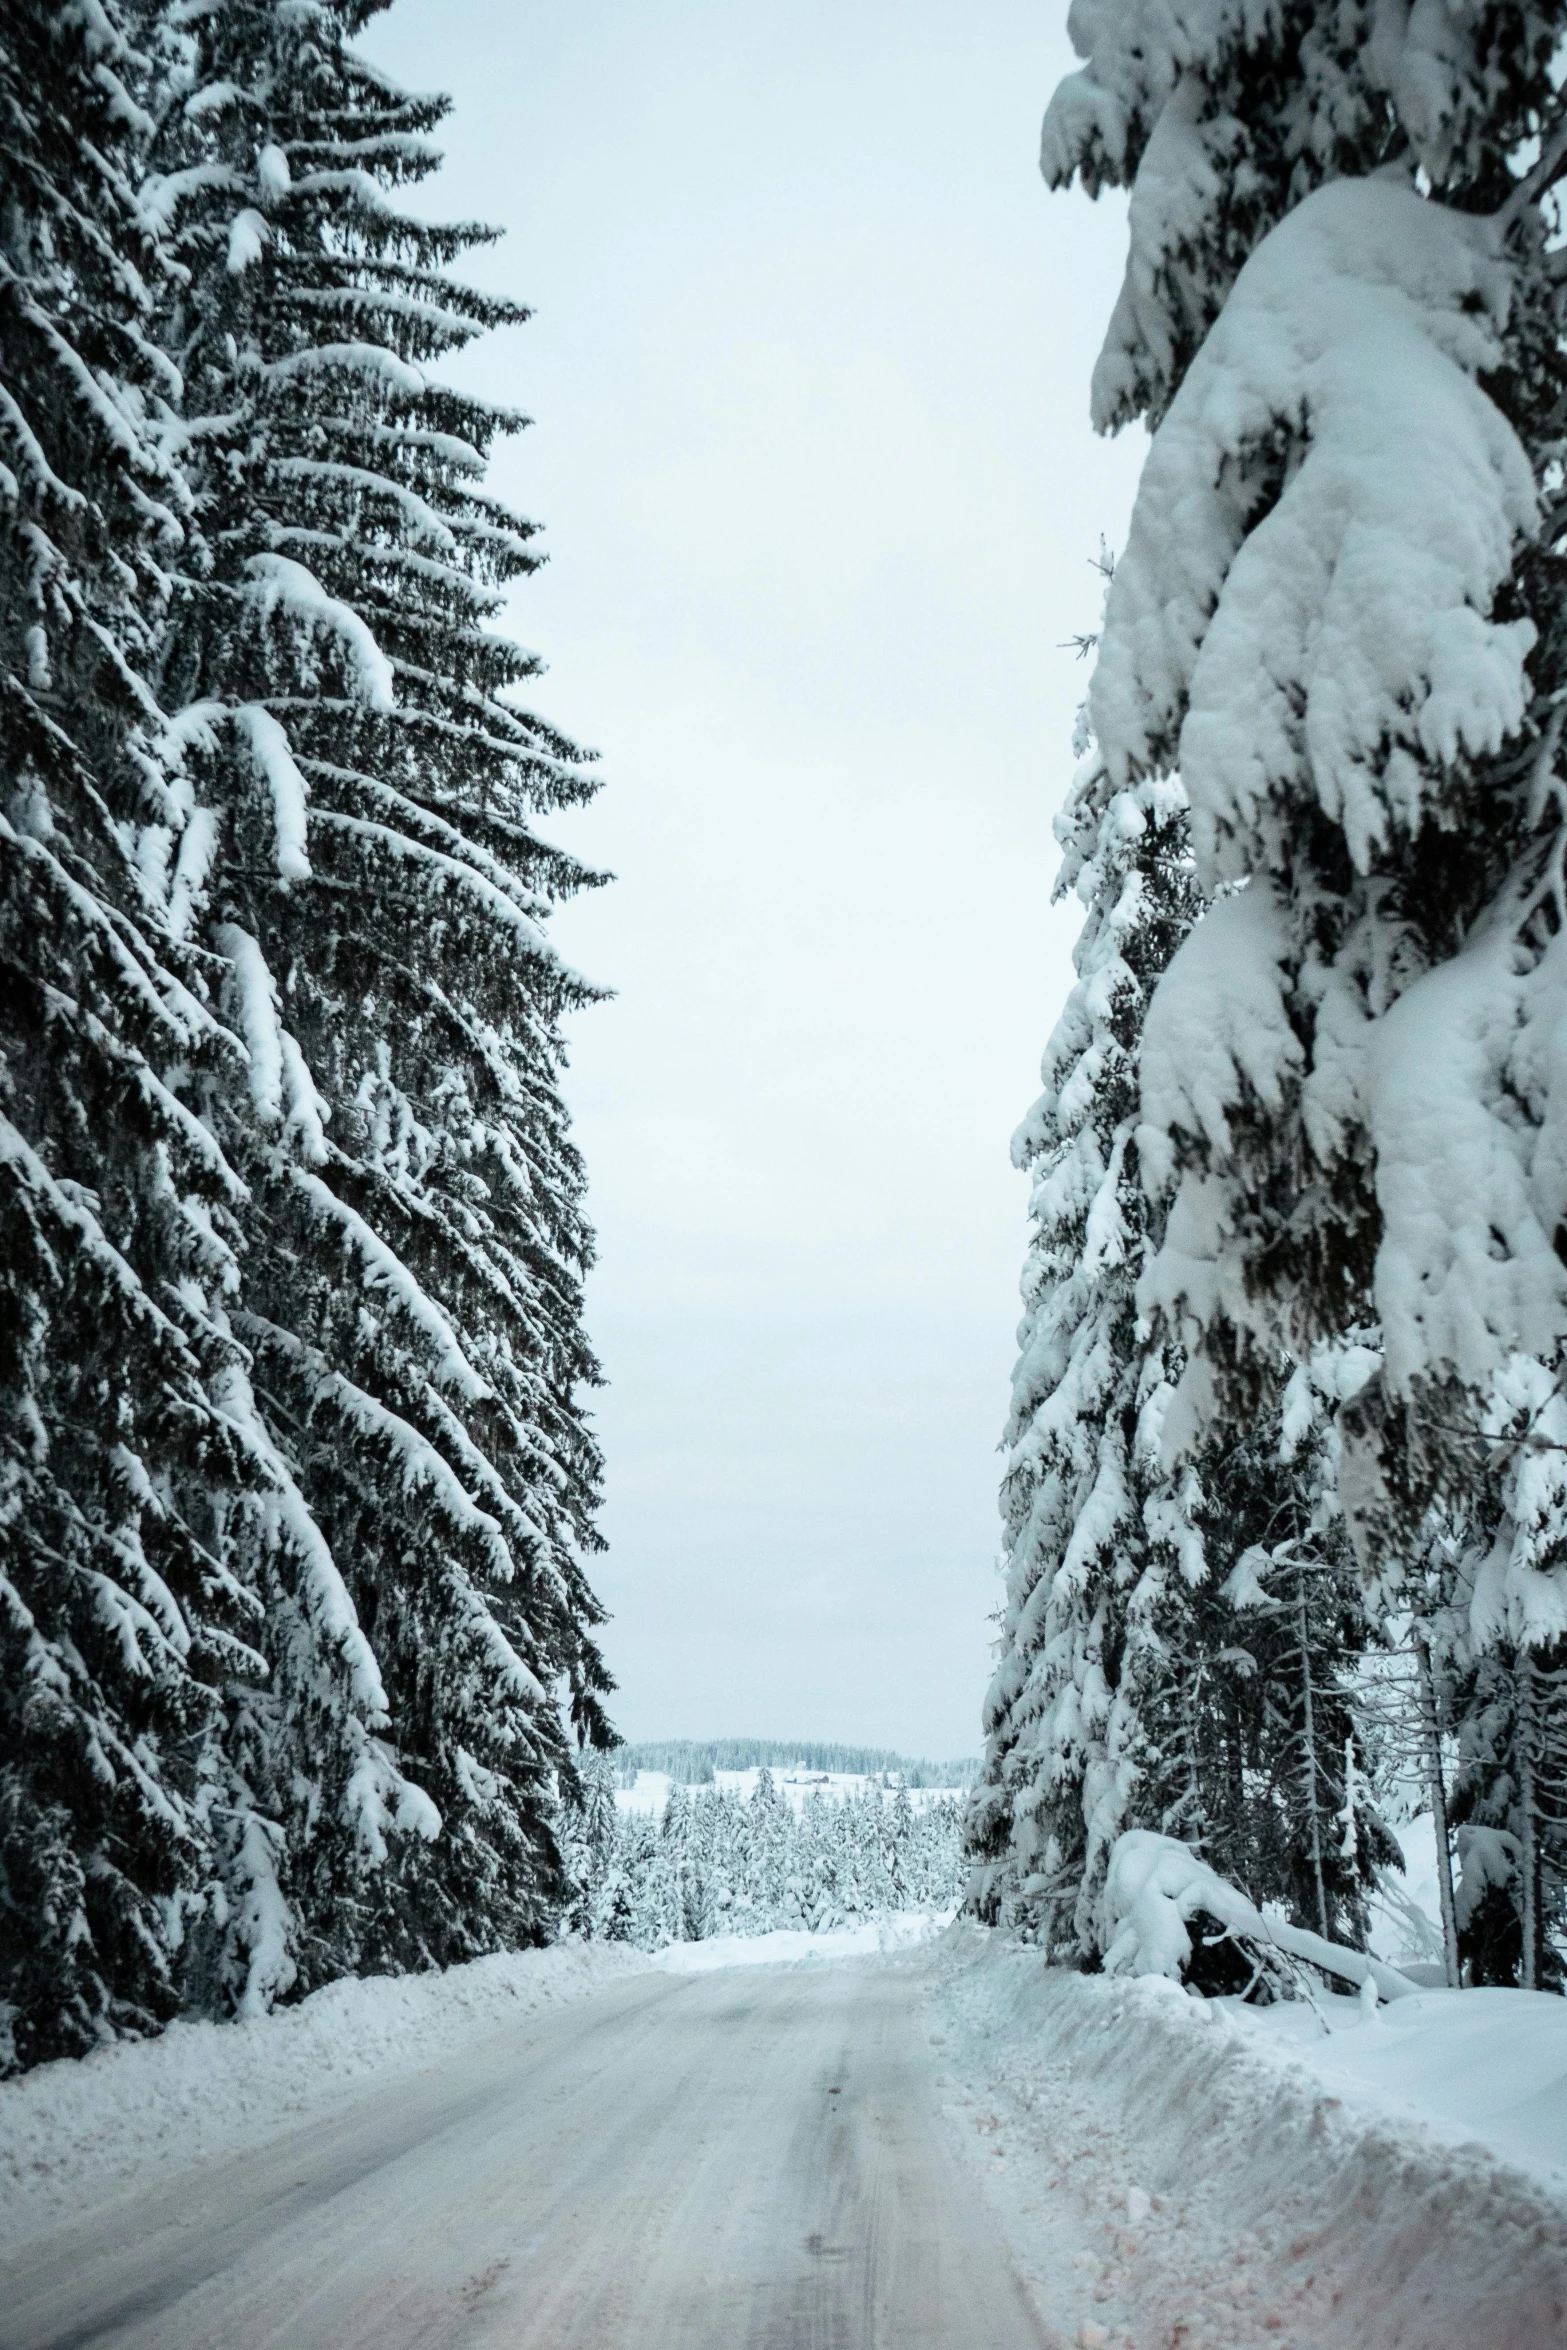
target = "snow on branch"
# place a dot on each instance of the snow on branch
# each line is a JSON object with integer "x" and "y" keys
{"x": 171, "y": 1006}
{"x": 196, "y": 726}
{"x": 421, "y": 516}
{"x": 1471, "y": 1196}
{"x": 384, "y": 1269}
{"x": 288, "y": 1519}
{"x": 379, "y": 1797}
{"x": 258, "y": 1017}
{"x": 1340, "y": 647}
{"x": 373, "y": 360}
{"x": 287, "y": 586}
{"x": 1155, "y": 1887}
{"x": 1216, "y": 1026}
{"x": 446, "y": 872}
{"x": 421, "y": 1466}
{"x": 248, "y": 233}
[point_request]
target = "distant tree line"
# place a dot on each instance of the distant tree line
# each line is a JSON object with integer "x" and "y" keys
{"x": 717, "y": 1862}
{"x": 694, "y": 1760}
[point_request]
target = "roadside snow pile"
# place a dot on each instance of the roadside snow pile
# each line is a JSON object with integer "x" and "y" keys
{"x": 874, "y": 1939}
{"x": 74, "y": 2133}
{"x": 1169, "y": 2172}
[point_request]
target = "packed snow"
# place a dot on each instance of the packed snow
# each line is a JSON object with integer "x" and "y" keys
{"x": 1165, "y": 2170}
{"x": 874, "y": 1938}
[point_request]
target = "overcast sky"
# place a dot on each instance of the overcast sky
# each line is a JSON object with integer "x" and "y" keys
{"x": 809, "y": 378}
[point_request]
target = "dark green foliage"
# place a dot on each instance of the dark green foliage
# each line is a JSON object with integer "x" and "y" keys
{"x": 118, "y": 1610}
{"x": 296, "y": 1490}
{"x": 416, "y": 1242}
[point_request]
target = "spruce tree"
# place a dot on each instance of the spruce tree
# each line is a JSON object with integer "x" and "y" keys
{"x": 1257, "y": 1747}
{"x": 368, "y": 786}
{"x": 1339, "y": 616}
{"x": 119, "y": 1606}
{"x": 1098, "y": 1538}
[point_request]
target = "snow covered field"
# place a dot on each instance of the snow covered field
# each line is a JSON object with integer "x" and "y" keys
{"x": 651, "y": 1792}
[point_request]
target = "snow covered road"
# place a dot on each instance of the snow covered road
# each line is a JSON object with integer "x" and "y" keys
{"x": 680, "y": 2162}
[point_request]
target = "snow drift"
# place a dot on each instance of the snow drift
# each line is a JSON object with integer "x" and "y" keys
{"x": 1211, "y": 2187}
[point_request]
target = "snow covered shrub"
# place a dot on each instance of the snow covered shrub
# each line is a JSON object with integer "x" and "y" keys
{"x": 1159, "y": 1894}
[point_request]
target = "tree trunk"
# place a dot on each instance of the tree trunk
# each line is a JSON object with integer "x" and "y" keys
{"x": 1313, "y": 1806}
{"x": 1432, "y": 1734}
{"x": 1525, "y": 1729}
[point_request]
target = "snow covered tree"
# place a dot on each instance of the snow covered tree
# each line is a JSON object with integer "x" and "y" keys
{"x": 1146, "y": 1677}
{"x": 1338, "y": 616}
{"x": 597, "y": 1899}
{"x": 719, "y": 1863}
{"x": 363, "y": 861}
{"x": 119, "y": 1609}
{"x": 1510, "y": 1811}
{"x": 769, "y": 1827}
{"x": 1097, "y": 1536}
{"x": 1257, "y": 1749}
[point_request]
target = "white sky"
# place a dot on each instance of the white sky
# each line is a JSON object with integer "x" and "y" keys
{"x": 809, "y": 375}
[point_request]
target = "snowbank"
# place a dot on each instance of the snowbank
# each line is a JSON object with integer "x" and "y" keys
{"x": 795, "y": 1947}
{"x": 75, "y": 2133}
{"x": 1167, "y": 2172}
{"x": 1482, "y": 2067}
{"x": 1406, "y": 1908}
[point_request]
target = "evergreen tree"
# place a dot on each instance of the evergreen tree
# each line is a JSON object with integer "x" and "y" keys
{"x": 1510, "y": 1811}
{"x": 1339, "y": 615}
{"x": 769, "y": 1830}
{"x": 596, "y": 1905}
{"x": 367, "y": 786}
{"x": 119, "y": 1606}
{"x": 1257, "y": 1750}
{"x": 1098, "y": 1538}
{"x": 715, "y": 1863}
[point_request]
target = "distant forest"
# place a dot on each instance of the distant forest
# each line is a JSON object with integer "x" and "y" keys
{"x": 693, "y": 1761}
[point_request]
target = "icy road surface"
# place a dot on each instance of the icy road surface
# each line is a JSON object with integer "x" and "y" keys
{"x": 749, "y": 2160}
